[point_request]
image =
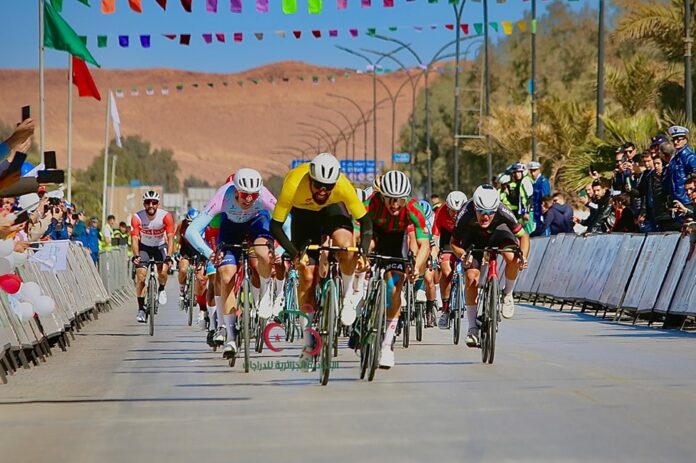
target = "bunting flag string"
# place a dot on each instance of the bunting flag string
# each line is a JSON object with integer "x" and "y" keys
{"x": 505, "y": 27}
{"x": 262, "y": 6}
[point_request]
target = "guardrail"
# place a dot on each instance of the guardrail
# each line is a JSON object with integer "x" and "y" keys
{"x": 626, "y": 273}
{"x": 80, "y": 292}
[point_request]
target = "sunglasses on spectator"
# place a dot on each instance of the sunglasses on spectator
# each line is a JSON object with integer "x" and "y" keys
{"x": 150, "y": 201}
{"x": 248, "y": 196}
{"x": 323, "y": 186}
{"x": 486, "y": 211}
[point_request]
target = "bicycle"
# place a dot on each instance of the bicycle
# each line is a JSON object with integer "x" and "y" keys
{"x": 288, "y": 317}
{"x": 489, "y": 305}
{"x": 151, "y": 298}
{"x": 371, "y": 323}
{"x": 245, "y": 300}
{"x": 457, "y": 302}
{"x": 327, "y": 319}
{"x": 188, "y": 302}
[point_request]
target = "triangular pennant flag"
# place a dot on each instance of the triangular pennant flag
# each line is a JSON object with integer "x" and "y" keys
{"x": 116, "y": 120}
{"x": 388, "y": 3}
{"x": 136, "y": 5}
{"x": 522, "y": 26}
{"x": 145, "y": 41}
{"x": 220, "y": 37}
{"x": 83, "y": 80}
{"x": 185, "y": 39}
{"x": 101, "y": 41}
{"x": 211, "y": 6}
{"x": 465, "y": 28}
{"x": 208, "y": 38}
{"x": 393, "y": 28}
{"x": 297, "y": 34}
{"x": 333, "y": 33}
{"x": 186, "y": 4}
{"x": 353, "y": 32}
{"x": 238, "y": 36}
{"x": 162, "y": 3}
{"x": 341, "y": 4}
{"x": 236, "y": 6}
{"x": 60, "y": 36}
{"x": 432, "y": 1}
{"x": 83, "y": 38}
{"x": 258, "y": 35}
{"x": 170, "y": 36}
{"x": 289, "y": 6}
{"x": 280, "y": 34}
{"x": 507, "y": 27}
{"x": 262, "y": 6}
{"x": 418, "y": 28}
{"x": 314, "y": 6}
{"x": 494, "y": 26}
{"x": 108, "y": 6}
{"x": 479, "y": 28}
{"x": 371, "y": 31}
{"x": 316, "y": 34}
{"x": 123, "y": 41}
{"x": 366, "y": 3}
{"x": 449, "y": 26}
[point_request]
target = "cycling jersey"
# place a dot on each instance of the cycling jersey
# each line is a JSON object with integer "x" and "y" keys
{"x": 443, "y": 222}
{"x": 468, "y": 225}
{"x": 152, "y": 232}
{"x": 296, "y": 193}
{"x": 410, "y": 214}
{"x": 225, "y": 204}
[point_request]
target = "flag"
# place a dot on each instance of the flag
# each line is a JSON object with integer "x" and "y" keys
{"x": 170, "y": 36}
{"x": 145, "y": 41}
{"x": 108, "y": 6}
{"x": 162, "y": 3}
{"x": 123, "y": 41}
{"x": 211, "y": 6}
{"x": 388, "y": 3}
{"x": 60, "y": 36}
{"x": 342, "y": 4}
{"x": 187, "y": 5}
{"x": 333, "y": 33}
{"x": 289, "y": 6}
{"x": 297, "y": 34}
{"x": 366, "y": 3}
{"x": 314, "y": 6}
{"x": 353, "y": 32}
{"x": 507, "y": 27}
{"x": 281, "y": 34}
{"x": 220, "y": 37}
{"x": 58, "y": 4}
{"x": 262, "y": 6}
{"x": 101, "y": 41}
{"x": 258, "y": 35}
{"x": 208, "y": 38}
{"x": 185, "y": 39}
{"x": 115, "y": 120}
{"x": 236, "y": 6}
{"x": 136, "y": 5}
{"x": 238, "y": 36}
{"x": 316, "y": 33}
{"x": 83, "y": 80}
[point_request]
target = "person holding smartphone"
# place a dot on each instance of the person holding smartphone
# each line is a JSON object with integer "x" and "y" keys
{"x": 58, "y": 229}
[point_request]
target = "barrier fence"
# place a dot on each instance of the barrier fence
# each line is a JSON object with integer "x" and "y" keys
{"x": 80, "y": 292}
{"x": 626, "y": 273}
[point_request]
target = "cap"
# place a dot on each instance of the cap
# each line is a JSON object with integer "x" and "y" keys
{"x": 658, "y": 139}
{"x": 42, "y": 189}
{"x": 534, "y": 165}
{"x": 678, "y": 131}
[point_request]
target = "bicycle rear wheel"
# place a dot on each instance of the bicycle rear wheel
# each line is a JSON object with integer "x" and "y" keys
{"x": 365, "y": 327}
{"x": 260, "y": 328}
{"x": 419, "y": 313}
{"x": 328, "y": 329}
{"x": 378, "y": 322}
{"x": 407, "y": 314}
{"x": 455, "y": 308}
{"x": 492, "y": 302}
{"x": 151, "y": 303}
{"x": 245, "y": 296}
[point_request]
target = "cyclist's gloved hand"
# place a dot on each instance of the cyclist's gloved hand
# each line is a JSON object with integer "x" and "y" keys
{"x": 135, "y": 260}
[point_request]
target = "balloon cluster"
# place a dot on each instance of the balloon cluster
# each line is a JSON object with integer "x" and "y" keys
{"x": 28, "y": 296}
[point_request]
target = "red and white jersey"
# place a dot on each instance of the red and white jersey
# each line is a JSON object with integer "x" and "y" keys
{"x": 152, "y": 232}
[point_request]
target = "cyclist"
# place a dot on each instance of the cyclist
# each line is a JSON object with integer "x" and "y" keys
{"x": 322, "y": 201}
{"x": 519, "y": 196}
{"x": 186, "y": 252}
{"x": 245, "y": 205}
{"x": 392, "y": 211}
{"x": 152, "y": 233}
{"x": 445, "y": 220}
{"x": 485, "y": 221}
{"x": 429, "y": 293}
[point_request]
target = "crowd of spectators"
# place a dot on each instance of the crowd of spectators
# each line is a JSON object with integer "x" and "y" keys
{"x": 46, "y": 215}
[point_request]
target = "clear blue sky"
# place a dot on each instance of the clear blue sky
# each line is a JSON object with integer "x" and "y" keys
{"x": 19, "y": 33}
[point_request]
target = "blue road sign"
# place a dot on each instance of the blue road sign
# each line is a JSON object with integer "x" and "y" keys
{"x": 401, "y": 158}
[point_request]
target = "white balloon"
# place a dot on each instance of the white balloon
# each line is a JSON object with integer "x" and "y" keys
{"x": 20, "y": 258}
{"x": 7, "y": 265}
{"x": 24, "y": 311}
{"x": 30, "y": 291}
{"x": 6, "y": 247}
{"x": 44, "y": 305}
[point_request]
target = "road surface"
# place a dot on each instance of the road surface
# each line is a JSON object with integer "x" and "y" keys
{"x": 564, "y": 387}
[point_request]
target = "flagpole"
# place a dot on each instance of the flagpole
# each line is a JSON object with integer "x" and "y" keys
{"x": 70, "y": 109}
{"x": 42, "y": 119}
{"x": 106, "y": 156}
{"x": 113, "y": 183}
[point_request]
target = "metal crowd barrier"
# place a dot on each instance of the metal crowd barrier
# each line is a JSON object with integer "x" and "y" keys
{"x": 632, "y": 273}
{"x": 80, "y": 292}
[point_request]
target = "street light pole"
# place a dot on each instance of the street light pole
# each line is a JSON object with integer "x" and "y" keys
{"x": 487, "y": 84}
{"x": 364, "y": 120}
{"x": 600, "y": 71}
{"x": 458, "y": 10}
{"x": 687, "y": 61}
{"x": 533, "y": 86}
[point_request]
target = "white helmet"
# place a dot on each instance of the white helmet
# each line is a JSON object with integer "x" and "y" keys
{"x": 395, "y": 184}
{"x": 325, "y": 168}
{"x": 377, "y": 183}
{"x": 362, "y": 194}
{"x": 151, "y": 195}
{"x": 486, "y": 198}
{"x": 248, "y": 181}
{"x": 455, "y": 200}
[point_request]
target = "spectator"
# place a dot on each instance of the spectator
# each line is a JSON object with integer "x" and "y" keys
{"x": 519, "y": 196}
{"x": 541, "y": 188}
{"x": 566, "y": 209}
{"x": 108, "y": 230}
{"x": 435, "y": 200}
{"x": 655, "y": 143}
{"x": 655, "y": 209}
{"x": 93, "y": 238}
{"x": 8, "y": 205}
{"x": 690, "y": 214}
{"x": 121, "y": 236}
{"x": 601, "y": 217}
{"x": 623, "y": 170}
{"x": 682, "y": 164}
{"x": 20, "y": 140}
{"x": 638, "y": 194}
{"x": 624, "y": 220}
{"x": 58, "y": 228}
{"x": 555, "y": 218}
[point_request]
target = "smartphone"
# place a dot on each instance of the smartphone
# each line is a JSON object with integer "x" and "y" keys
{"x": 26, "y": 113}
{"x": 592, "y": 168}
{"x": 50, "y": 176}
{"x": 22, "y": 217}
{"x": 50, "y": 159}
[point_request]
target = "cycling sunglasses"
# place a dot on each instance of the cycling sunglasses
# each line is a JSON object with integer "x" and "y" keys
{"x": 323, "y": 186}
{"x": 151, "y": 201}
{"x": 486, "y": 211}
{"x": 248, "y": 196}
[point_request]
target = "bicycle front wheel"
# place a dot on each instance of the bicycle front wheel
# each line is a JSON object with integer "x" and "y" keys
{"x": 407, "y": 314}
{"x": 245, "y": 296}
{"x": 491, "y": 326}
{"x": 151, "y": 303}
{"x": 419, "y": 313}
{"x": 328, "y": 329}
{"x": 378, "y": 322}
{"x": 191, "y": 296}
{"x": 456, "y": 307}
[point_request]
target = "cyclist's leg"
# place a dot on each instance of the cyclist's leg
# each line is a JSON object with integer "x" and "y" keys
{"x": 140, "y": 277}
{"x": 279, "y": 271}
{"x": 258, "y": 230}
{"x": 501, "y": 238}
{"x": 162, "y": 274}
{"x": 338, "y": 223}
{"x": 430, "y": 294}
{"x": 183, "y": 270}
{"x": 445, "y": 279}
{"x": 227, "y": 271}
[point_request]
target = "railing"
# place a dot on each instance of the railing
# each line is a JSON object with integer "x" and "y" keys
{"x": 80, "y": 292}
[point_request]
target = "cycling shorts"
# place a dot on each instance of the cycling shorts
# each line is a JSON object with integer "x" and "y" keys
{"x": 237, "y": 233}
{"x": 157, "y": 253}
{"x": 500, "y": 237}
{"x": 391, "y": 244}
{"x": 187, "y": 252}
{"x": 310, "y": 226}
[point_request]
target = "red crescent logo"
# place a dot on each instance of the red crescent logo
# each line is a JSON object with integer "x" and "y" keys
{"x": 266, "y": 336}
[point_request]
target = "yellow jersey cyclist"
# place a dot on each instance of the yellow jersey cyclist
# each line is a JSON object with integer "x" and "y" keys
{"x": 322, "y": 201}
{"x": 486, "y": 221}
{"x": 392, "y": 211}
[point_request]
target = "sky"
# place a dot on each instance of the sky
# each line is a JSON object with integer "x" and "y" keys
{"x": 19, "y": 33}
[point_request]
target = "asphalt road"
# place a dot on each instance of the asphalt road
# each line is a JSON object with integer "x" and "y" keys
{"x": 564, "y": 387}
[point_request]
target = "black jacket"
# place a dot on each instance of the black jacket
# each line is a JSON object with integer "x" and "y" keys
{"x": 556, "y": 220}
